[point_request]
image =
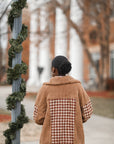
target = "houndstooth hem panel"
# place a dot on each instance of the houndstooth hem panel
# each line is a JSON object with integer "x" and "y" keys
{"x": 62, "y": 113}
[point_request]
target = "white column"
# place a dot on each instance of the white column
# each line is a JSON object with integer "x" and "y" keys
{"x": 33, "y": 52}
{"x": 61, "y": 33}
{"x": 76, "y": 49}
{"x": 44, "y": 60}
{"x": 44, "y": 47}
{"x": 4, "y": 38}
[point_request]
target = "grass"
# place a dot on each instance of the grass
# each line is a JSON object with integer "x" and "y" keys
{"x": 103, "y": 106}
{"x": 6, "y": 112}
{"x": 31, "y": 96}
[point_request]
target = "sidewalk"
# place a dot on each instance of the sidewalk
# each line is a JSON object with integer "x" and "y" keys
{"x": 98, "y": 130}
{"x": 30, "y": 143}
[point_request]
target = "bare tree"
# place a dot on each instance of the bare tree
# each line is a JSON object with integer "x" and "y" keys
{"x": 99, "y": 12}
{"x": 79, "y": 32}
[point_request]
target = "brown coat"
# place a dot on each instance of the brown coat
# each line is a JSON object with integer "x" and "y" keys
{"x": 61, "y": 106}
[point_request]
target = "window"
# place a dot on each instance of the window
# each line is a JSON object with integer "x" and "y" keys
{"x": 96, "y": 58}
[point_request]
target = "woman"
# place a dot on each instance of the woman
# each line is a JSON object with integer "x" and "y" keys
{"x": 62, "y": 106}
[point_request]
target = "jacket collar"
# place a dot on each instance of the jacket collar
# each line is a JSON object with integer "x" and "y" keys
{"x": 61, "y": 80}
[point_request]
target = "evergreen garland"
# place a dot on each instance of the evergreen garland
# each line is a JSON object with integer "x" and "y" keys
{"x": 16, "y": 44}
{"x": 10, "y": 133}
{"x": 15, "y": 73}
{"x": 16, "y": 11}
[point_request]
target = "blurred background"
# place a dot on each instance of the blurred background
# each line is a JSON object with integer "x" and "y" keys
{"x": 81, "y": 30}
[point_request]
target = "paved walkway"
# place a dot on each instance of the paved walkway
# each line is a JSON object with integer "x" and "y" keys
{"x": 98, "y": 130}
{"x": 30, "y": 142}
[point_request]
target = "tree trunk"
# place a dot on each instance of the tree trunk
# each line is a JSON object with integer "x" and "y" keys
{"x": 103, "y": 26}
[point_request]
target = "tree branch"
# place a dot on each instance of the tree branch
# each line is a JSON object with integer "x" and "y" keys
{"x": 89, "y": 14}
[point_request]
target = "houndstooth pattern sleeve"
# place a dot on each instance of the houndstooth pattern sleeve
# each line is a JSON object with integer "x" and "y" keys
{"x": 35, "y": 112}
{"x": 87, "y": 111}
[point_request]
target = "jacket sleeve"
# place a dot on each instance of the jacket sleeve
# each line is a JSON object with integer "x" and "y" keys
{"x": 85, "y": 104}
{"x": 40, "y": 106}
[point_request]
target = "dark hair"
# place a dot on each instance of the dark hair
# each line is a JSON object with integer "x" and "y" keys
{"x": 62, "y": 64}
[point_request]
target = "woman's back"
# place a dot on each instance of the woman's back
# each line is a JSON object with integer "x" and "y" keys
{"x": 62, "y": 105}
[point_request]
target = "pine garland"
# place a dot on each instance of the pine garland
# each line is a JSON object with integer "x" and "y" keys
{"x": 16, "y": 44}
{"x": 16, "y": 96}
{"x": 16, "y": 11}
{"x": 15, "y": 73}
{"x": 14, "y": 126}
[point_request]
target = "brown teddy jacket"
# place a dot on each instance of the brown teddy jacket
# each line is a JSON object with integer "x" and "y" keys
{"x": 61, "y": 106}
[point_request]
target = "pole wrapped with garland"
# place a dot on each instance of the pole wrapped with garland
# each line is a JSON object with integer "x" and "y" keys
{"x": 14, "y": 73}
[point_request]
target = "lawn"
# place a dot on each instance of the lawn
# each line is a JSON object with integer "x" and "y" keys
{"x": 103, "y": 106}
{"x": 5, "y": 115}
{"x": 4, "y": 111}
